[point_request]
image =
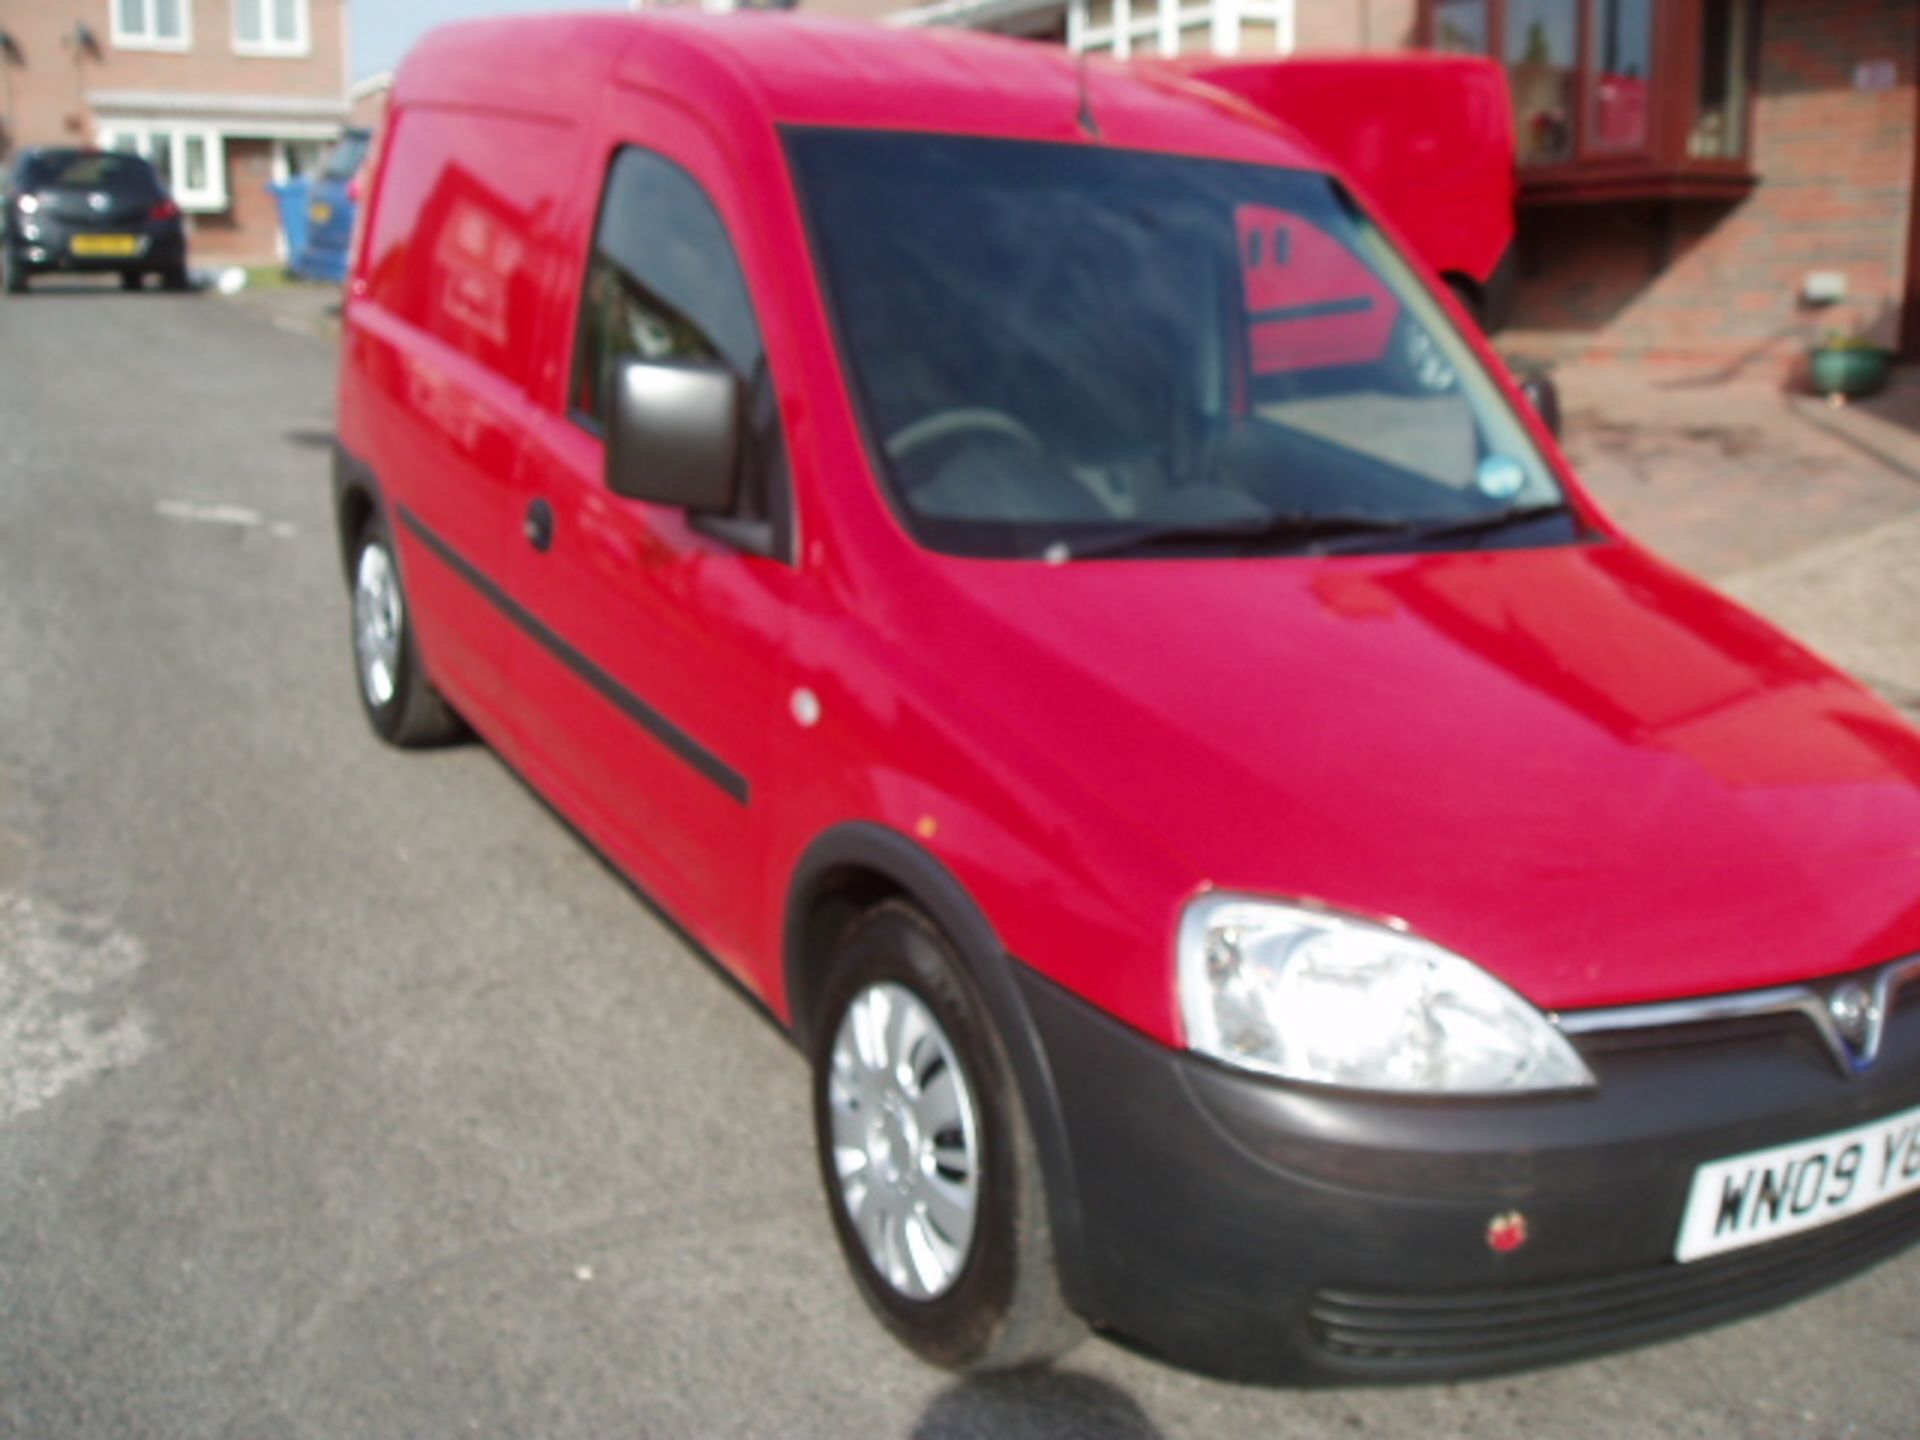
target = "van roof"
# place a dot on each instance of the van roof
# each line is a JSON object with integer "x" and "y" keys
{"x": 804, "y": 70}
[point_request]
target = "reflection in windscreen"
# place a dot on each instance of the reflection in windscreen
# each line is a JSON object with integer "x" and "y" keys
{"x": 90, "y": 170}
{"x": 1056, "y": 345}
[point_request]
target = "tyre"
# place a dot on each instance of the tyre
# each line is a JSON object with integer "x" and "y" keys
{"x": 930, "y": 1169}
{"x": 15, "y": 273}
{"x": 131, "y": 279}
{"x": 401, "y": 706}
{"x": 174, "y": 277}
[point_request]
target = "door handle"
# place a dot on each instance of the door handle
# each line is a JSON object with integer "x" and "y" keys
{"x": 538, "y": 526}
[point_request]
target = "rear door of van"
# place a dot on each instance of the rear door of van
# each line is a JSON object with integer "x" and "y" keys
{"x": 442, "y": 353}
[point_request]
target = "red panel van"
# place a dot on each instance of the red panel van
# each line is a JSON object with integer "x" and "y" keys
{"x": 1258, "y": 864}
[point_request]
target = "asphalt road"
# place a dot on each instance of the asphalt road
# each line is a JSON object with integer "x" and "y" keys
{"x": 345, "y": 1093}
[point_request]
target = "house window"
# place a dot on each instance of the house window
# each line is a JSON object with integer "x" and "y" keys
{"x": 270, "y": 27}
{"x": 1127, "y": 28}
{"x": 152, "y": 24}
{"x": 1720, "y": 104}
{"x": 1616, "y": 98}
{"x": 1618, "y": 117}
{"x": 190, "y": 160}
{"x": 1460, "y": 26}
{"x": 1543, "y": 64}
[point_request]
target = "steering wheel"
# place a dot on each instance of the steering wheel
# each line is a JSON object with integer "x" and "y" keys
{"x": 942, "y": 423}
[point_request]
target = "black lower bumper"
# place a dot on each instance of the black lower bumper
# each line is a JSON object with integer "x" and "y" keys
{"x": 159, "y": 248}
{"x": 1266, "y": 1231}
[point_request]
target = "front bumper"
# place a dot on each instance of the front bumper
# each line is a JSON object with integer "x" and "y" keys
{"x": 1267, "y": 1231}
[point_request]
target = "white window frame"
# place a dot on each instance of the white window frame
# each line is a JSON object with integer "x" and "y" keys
{"x": 138, "y": 136}
{"x": 1148, "y": 27}
{"x": 147, "y": 37}
{"x": 271, "y": 46}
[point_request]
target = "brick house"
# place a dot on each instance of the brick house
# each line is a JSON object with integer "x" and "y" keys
{"x": 367, "y": 101}
{"x": 224, "y": 96}
{"x": 1708, "y": 181}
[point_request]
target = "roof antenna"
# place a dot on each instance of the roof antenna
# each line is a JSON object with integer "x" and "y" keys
{"x": 1088, "y": 126}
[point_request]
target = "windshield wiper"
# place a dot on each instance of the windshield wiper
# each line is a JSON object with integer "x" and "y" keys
{"x": 1493, "y": 520}
{"x": 1291, "y": 527}
{"x": 1303, "y": 528}
{"x": 1453, "y": 527}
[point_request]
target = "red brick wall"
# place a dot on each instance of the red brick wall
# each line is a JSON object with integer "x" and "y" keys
{"x": 1836, "y": 166}
{"x": 244, "y": 233}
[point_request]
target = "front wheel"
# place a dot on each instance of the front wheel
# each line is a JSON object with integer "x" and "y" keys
{"x": 401, "y": 706}
{"x": 930, "y": 1168}
{"x": 15, "y": 274}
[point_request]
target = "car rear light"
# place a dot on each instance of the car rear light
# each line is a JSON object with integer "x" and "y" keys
{"x": 165, "y": 210}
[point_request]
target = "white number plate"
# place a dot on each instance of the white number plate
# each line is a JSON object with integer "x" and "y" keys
{"x": 1753, "y": 1198}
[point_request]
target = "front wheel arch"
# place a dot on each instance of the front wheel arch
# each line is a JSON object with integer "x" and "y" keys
{"x": 852, "y": 868}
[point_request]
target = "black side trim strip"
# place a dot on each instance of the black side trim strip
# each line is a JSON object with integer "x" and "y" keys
{"x": 1314, "y": 311}
{"x": 622, "y": 699}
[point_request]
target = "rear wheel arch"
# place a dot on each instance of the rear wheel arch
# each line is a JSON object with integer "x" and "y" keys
{"x": 356, "y": 500}
{"x": 847, "y": 872}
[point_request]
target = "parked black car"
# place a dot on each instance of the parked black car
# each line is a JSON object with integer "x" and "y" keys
{"x": 91, "y": 210}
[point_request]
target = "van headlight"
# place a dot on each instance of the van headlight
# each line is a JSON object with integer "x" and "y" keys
{"x": 1314, "y": 996}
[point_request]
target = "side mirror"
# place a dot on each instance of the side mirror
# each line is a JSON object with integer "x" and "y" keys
{"x": 673, "y": 434}
{"x": 1536, "y": 383}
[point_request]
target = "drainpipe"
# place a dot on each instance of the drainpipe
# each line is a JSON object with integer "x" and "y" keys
{"x": 8, "y": 49}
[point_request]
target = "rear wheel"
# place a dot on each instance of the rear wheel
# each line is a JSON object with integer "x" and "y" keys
{"x": 401, "y": 706}
{"x": 131, "y": 279}
{"x": 174, "y": 277}
{"x": 930, "y": 1169}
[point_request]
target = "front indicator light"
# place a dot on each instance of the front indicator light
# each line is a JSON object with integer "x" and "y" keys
{"x": 1327, "y": 999}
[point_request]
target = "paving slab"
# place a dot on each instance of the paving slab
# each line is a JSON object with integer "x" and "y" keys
{"x": 1723, "y": 478}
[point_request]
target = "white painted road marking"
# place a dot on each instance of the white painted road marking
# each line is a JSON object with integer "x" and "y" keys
{"x": 214, "y": 512}
{"x": 62, "y": 1021}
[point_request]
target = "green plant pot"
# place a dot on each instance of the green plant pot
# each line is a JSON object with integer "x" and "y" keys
{"x": 1851, "y": 371}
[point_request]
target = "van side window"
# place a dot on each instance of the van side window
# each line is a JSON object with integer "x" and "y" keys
{"x": 663, "y": 283}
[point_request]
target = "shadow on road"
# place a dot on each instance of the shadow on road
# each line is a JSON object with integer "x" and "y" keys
{"x": 1051, "y": 1403}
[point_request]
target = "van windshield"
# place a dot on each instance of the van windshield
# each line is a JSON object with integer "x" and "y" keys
{"x": 1069, "y": 352}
